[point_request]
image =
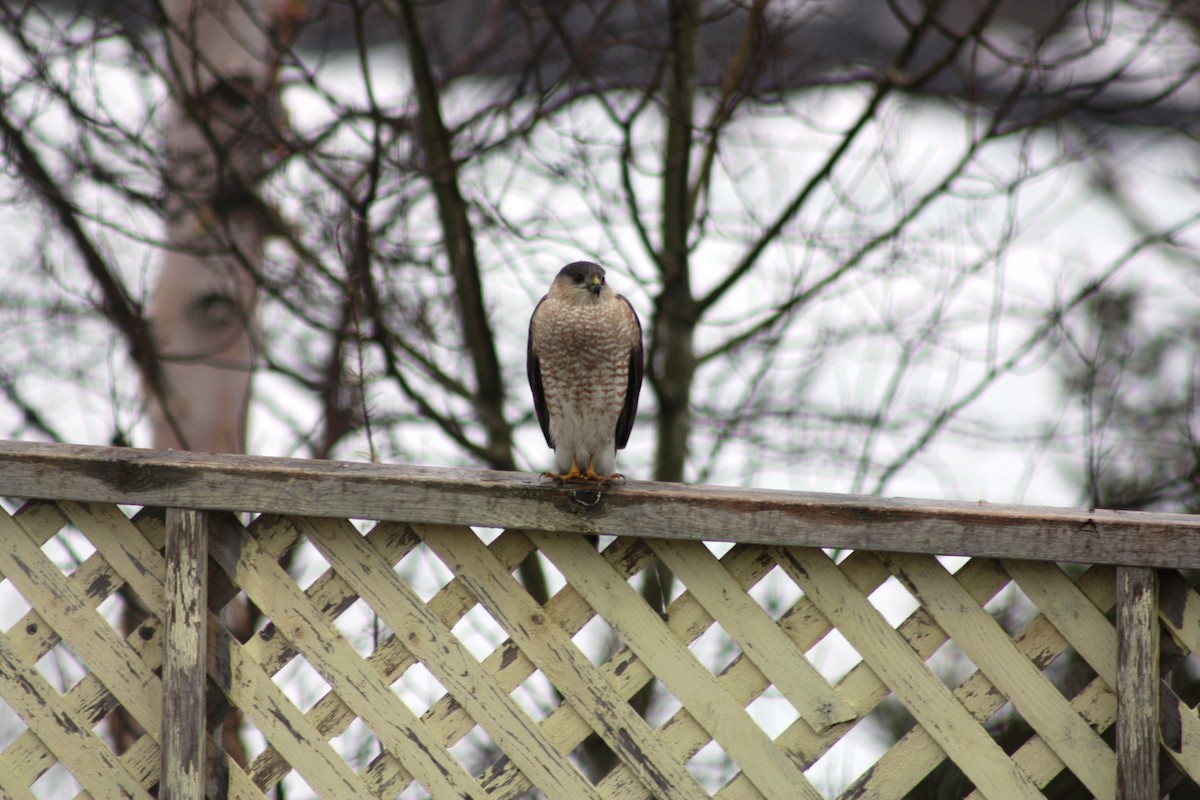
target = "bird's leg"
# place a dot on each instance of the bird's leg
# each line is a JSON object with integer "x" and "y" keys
{"x": 592, "y": 475}
{"x": 573, "y": 474}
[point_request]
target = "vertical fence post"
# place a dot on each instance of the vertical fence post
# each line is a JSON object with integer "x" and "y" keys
{"x": 1137, "y": 684}
{"x": 183, "y": 763}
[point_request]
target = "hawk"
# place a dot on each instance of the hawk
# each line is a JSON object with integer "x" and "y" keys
{"x": 585, "y": 365}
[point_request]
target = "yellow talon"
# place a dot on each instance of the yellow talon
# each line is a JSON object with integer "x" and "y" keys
{"x": 592, "y": 475}
{"x": 576, "y": 475}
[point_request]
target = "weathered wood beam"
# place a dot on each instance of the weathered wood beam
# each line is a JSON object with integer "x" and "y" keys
{"x": 1137, "y": 684}
{"x": 184, "y": 660}
{"x": 667, "y": 510}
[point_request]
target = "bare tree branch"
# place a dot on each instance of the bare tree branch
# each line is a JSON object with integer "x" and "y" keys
{"x": 460, "y": 247}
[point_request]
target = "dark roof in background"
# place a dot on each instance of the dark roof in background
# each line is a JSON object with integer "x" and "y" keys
{"x": 620, "y": 44}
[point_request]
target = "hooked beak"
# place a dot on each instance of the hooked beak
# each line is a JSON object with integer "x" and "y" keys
{"x": 597, "y": 284}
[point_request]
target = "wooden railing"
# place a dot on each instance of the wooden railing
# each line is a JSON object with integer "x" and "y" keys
{"x": 1100, "y": 587}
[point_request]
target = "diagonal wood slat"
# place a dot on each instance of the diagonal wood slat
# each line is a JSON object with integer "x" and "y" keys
{"x": 144, "y": 568}
{"x": 449, "y": 660}
{"x": 107, "y": 527}
{"x": 993, "y": 651}
{"x": 938, "y": 711}
{"x": 90, "y": 699}
{"x": 69, "y": 612}
{"x": 772, "y": 772}
{"x": 916, "y": 754}
{"x": 12, "y": 786}
{"x": 549, "y": 646}
{"x": 68, "y": 736}
{"x": 1179, "y": 613}
{"x": 265, "y": 582}
{"x": 686, "y": 619}
{"x": 759, "y": 637}
{"x": 1071, "y": 611}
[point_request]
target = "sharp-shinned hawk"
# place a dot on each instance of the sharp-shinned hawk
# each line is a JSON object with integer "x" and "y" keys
{"x": 585, "y": 368}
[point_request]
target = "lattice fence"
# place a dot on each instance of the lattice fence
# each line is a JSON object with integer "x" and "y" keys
{"x": 754, "y": 704}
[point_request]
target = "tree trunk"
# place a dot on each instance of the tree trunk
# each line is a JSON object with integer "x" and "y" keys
{"x": 673, "y": 364}
{"x": 221, "y": 121}
{"x": 218, "y": 126}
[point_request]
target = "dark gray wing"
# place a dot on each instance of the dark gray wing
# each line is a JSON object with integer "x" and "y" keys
{"x": 534, "y": 369}
{"x": 637, "y": 366}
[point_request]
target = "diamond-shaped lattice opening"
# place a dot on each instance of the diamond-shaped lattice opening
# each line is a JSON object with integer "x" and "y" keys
{"x": 11, "y": 725}
{"x": 776, "y": 593}
{"x": 476, "y": 752}
{"x": 479, "y": 632}
{"x": 423, "y": 571}
{"x": 252, "y": 739}
{"x": 554, "y": 579}
{"x": 715, "y": 649}
{"x": 772, "y": 712}
{"x": 418, "y": 688}
{"x": 61, "y": 667}
{"x": 659, "y": 575}
{"x": 124, "y": 616}
{"x": 68, "y": 549}
{"x": 712, "y": 767}
{"x": 1070, "y": 673}
{"x": 597, "y": 640}
{"x": 301, "y": 682}
{"x": 950, "y": 664}
{"x": 294, "y": 785}
{"x": 1011, "y": 608}
{"x": 307, "y": 565}
{"x": 1008, "y": 728}
{"x": 56, "y": 783}
{"x": 593, "y": 757}
{"x": 13, "y": 605}
{"x": 358, "y": 744}
{"x": 952, "y": 564}
{"x": 663, "y": 705}
{"x": 859, "y": 748}
{"x": 833, "y": 656}
{"x": 362, "y": 627}
{"x": 536, "y": 696}
{"x": 487, "y": 535}
{"x": 893, "y": 601}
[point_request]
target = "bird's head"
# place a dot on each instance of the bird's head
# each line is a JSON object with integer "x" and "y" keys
{"x": 581, "y": 282}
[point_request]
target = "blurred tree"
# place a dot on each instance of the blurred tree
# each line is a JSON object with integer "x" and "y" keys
{"x": 854, "y": 231}
{"x": 1132, "y": 363}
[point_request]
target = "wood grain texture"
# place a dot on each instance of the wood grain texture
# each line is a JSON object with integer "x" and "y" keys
{"x": 1137, "y": 683}
{"x": 32, "y": 638}
{"x": 1072, "y": 612}
{"x": 659, "y": 520}
{"x": 504, "y": 499}
{"x": 184, "y": 661}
